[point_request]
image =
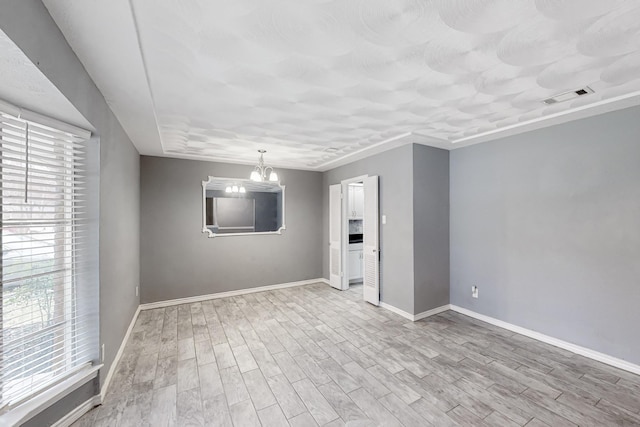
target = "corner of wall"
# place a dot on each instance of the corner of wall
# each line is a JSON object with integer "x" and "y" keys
{"x": 430, "y": 210}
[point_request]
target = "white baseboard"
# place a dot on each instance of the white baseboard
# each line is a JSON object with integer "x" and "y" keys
{"x": 78, "y": 412}
{"x": 414, "y": 317}
{"x": 396, "y": 310}
{"x": 432, "y": 312}
{"x": 200, "y": 298}
{"x": 116, "y": 360}
{"x": 406, "y": 315}
{"x": 583, "y": 351}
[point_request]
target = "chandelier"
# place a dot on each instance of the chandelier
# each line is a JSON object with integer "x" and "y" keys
{"x": 260, "y": 171}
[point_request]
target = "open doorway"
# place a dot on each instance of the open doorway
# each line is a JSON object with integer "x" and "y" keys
{"x": 353, "y": 241}
{"x": 354, "y": 267}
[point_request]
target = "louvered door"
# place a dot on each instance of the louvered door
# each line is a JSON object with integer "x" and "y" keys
{"x": 335, "y": 236}
{"x": 371, "y": 279}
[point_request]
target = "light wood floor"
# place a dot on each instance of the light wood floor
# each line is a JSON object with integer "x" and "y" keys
{"x": 312, "y": 355}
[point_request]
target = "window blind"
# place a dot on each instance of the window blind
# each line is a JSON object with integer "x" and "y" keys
{"x": 47, "y": 333}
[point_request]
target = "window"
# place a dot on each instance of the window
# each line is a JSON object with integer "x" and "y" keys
{"x": 46, "y": 315}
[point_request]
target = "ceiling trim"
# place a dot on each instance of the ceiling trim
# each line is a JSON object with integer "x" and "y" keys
{"x": 172, "y": 155}
{"x": 387, "y": 144}
{"x": 136, "y": 28}
{"x": 584, "y": 111}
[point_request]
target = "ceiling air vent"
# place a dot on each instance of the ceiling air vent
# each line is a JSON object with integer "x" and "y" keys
{"x": 566, "y": 96}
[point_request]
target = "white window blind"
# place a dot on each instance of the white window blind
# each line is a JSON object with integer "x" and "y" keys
{"x": 48, "y": 332}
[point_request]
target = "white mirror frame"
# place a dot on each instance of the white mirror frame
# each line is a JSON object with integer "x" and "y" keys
{"x": 211, "y": 234}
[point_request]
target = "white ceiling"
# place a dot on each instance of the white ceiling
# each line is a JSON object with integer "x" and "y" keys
{"x": 221, "y": 79}
{"x": 23, "y": 85}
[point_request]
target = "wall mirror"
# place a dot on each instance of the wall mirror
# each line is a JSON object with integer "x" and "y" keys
{"x": 232, "y": 207}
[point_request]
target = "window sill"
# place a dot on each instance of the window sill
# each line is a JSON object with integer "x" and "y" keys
{"x": 42, "y": 401}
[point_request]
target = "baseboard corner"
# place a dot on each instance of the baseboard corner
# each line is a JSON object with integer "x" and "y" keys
{"x": 396, "y": 310}
{"x": 432, "y": 312}
{"x": 415, "y": 317}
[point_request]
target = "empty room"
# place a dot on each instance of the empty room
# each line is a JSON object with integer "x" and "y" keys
{"x": 320, "y": 213}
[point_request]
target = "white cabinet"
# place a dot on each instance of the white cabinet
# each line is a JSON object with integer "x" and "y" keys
{"x": 355, "y": 261}
{"x": 356, "y": 201}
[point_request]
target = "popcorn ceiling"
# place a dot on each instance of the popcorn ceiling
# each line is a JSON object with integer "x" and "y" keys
{"x": 296, "y": 77}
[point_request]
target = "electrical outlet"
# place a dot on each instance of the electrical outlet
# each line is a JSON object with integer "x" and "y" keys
{"x": 474, "y": 292}
{"x": 102, "y": 354}
{"x": 137, "y": 290}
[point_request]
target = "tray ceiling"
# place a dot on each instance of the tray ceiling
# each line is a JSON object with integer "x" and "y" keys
{"x": 221, "y": 79}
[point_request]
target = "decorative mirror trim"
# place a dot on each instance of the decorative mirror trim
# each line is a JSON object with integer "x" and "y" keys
{"x": 211, "y": 234}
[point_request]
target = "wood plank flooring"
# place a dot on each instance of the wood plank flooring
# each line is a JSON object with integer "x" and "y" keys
{"x": 312, "y": 355}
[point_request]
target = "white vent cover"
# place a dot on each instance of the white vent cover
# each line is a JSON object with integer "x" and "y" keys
{"x": 566, "y": 96}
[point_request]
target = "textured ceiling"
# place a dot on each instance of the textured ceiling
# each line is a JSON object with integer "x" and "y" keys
{"x": 23, "y": 85}
{"x": 225, "y": 78}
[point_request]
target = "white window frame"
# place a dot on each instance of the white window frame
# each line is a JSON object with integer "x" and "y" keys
{"x": 25, "y": 408}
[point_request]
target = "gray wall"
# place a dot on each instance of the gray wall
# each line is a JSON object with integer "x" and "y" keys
{"x": 28, "y": 24}
{"x": 73, "y": 400}
{"x": 395, "y": 169}
{"x": 547, "y": 225}
{"x": 430, "y": 227}
{"x": 178, "y": 260}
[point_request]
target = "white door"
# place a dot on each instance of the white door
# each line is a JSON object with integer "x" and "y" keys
{"x": 371, "y": 248}
{"x": 335, "y": 235}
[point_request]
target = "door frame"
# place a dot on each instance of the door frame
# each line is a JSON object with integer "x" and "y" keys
{"x": 336, "y": 267}
{"x": 344, "y": 249}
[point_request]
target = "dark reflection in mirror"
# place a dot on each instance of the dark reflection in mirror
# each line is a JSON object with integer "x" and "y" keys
{"x": 234, "y": 206}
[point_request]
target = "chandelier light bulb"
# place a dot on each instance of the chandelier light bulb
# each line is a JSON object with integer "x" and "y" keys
{"x": 259, "y": 173}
